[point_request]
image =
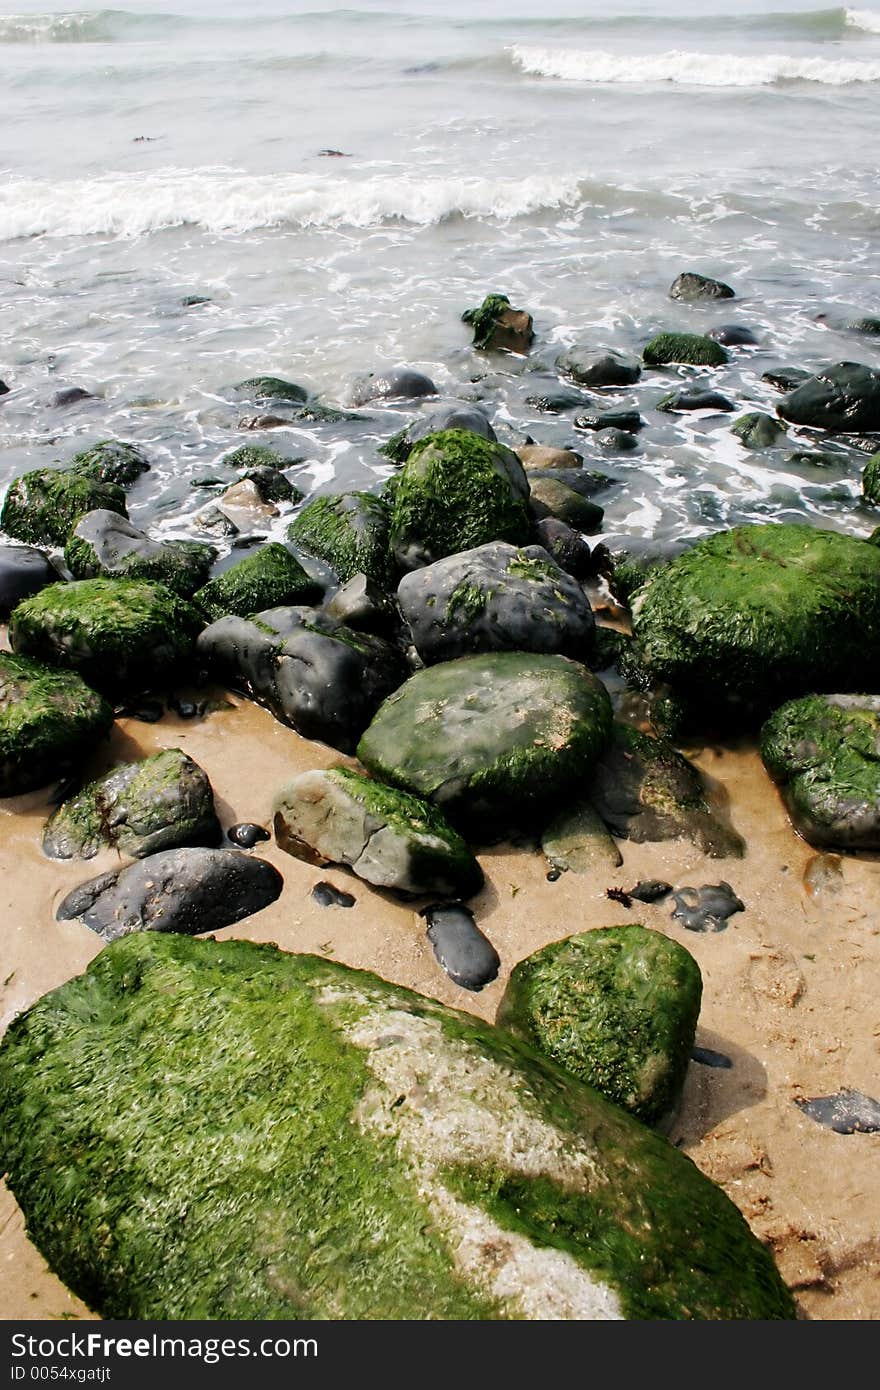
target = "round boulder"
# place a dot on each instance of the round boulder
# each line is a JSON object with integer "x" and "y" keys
{"x": 48, "y": 720}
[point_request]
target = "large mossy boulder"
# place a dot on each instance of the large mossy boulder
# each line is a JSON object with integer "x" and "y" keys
{"x": 44, "y": 506}
{"x": 457, "y": 491}
{"x": 350, "y": 532}
{"x": 105, "y": 543}
{"x": 49, "y": 720}
{"x": 496, "y": 598}
{"x": 845, "y": 396}
{"x": 188, "y": 891}
{"x": 456, "y": 416}
{"x": 616, "y": 1007}
{"x": 824, "y": 751}
{"x": 120, "y": 634}
{"x": 322, "y": 678}
{"x": 112, "y": 461}
{"x": 493, "y": 739}
{"x": 749, "y": 617}
{"x": 269, "y": 578}
{"x": 139, "y": 808}
{"x": 341, "y": 1149}
{"x": 689, "y": 348}
{"x": 388, "y": 837}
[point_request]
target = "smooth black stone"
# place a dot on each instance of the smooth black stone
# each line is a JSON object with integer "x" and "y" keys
{"x": 245, "y": 834}
{"x": 847, "y": 1112}
{"x": 628, "y": 420}
{"x": 23, "y": 571}
{"x": 555, "y": 402}
{"x": 786, "y": 378}
{"x": 4, "y": 389}
{"x": 70, "y": 395}
{"x": 469, "y": 959}
{"x": 707, "y": 1058}
{"x": 650, "y": 890}
{"x": 553, "y": 875}
{"x": 733, "y": 335}
{"x": 147, "y": 712}
{"x": 706, "y": 908}
{"x": 696, "y": 400}
{"x": 186, "y": 709}
{"x": 325, "y": 895}
{"x": 617, "y": 441}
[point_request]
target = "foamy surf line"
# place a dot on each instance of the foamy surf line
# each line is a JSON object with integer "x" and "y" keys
{"x": 866, "y": 20}
{"x": 228, "y": 201}
{"x": 690, "y": 69}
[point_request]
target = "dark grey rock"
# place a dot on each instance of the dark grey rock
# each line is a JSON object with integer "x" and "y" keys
{"x": 709, "y": 1058}
{"x": 602, "y": 367}
{"x": 706, "y": 909}
{"x": 628, "y": 420}
{"x": 732, "y": 335}
{"x": 455, "y": 416}
{"x": 396, "y": 383}
{"x": 468, "y": 957}
{"x": 180, "y": 890}
{"x": 566, "y": 546}
{"x": 363, "y": 605}
{"x": 24, "y": 570}
{"x": 104, "y": 543}
{"x": 617, "y": 441}
{"x": 71, "y": 395}
{"x": 847, "y": 1112}
{"x": 556, "y": 402}
{"x": 845, "y": 396}
{"x": 325, "y": 895}
{"x": 245, "y": 835}
{"x": 692, "y": 286}
{"x": 786, "y": 378}
{"x": 695, "y": 400}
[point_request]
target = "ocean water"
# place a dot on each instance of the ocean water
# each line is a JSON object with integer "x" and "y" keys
{"x": 575, "y": 156}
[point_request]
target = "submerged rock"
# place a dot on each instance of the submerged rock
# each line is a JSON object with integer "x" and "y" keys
{"x": 624, "y": 419}
{"x": 349, "y": 531}
{"x": 45, "y": 505}
{"x": 645, "y": 790}
{"x": 386, "y": 836}
{"x": 602, "y": 367}
{"x": 786, "y": 378}
{"x": 845, "y": 396}
{"x": 578, "y": 841}
{"x": 457, "y": 491}
{"x": 48, "y": 720}
{"x": 104, "y": 543}
{"x": 825, "y": 753}
{"x": 358, "y": 1152}
{"x": 847, "y": 1112}
{"x": 695, "y": 400}
{"x": 749, "y": 617}
{"x": 467, "y": 956}
{"x": 23, "y": 571}
{"x": 496, "y": 598}
{"x": 139, "y": 808}
{"x": 269, "y": 578}
{"x": 692, "y": 286}
{"x": 706, "y": 908}
{"x": 492, "y": 739}
{"x": 112, "y": 461}
{"x": 690, "y": 348}
{"x": 397, "y": 382}
{"x": 266, "y": 390}
{"x": 177, "y": 890}
{"x": 758, "y": 431}
{"x": 616, "y": 1007}
{"x": 732, "y": 335}
{"x": 499, "y": 327}
{"x": 118, "y": 633}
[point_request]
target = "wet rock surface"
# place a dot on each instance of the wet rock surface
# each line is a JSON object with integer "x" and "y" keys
{"x": 468, "y": 957}
{"x": 706, "y": 909}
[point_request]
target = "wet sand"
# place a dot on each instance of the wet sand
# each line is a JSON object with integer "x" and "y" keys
{"x": 790, "y": 988}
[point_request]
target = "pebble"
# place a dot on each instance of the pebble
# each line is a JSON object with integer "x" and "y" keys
{"x": 325, "y": 895}
{"x": 650, "y": 890}
{"x": 245, "y": 834}
{"x": 847, "y": 1112}
{"x": 707, "y": 1058}
{"x": 706, "y": 908}
{"x": 469, "y": 959}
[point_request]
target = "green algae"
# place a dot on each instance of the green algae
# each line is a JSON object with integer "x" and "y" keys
{"x": 690, "y": 348}
{"x": 48, "y": 719}
{"x": 349, "y": 531}
{"x": 111, "y": 461}
{"x": 272, "y": 388}
{"x": 484, "y": 318}
{"x": 758, "y": 431}
{"x": 871, "y": 480}
{"x": 256, "y": 456}
{"x": 183, "y": 566}
{"x": 43, "y": 506}
{"x": 270, "y": 578}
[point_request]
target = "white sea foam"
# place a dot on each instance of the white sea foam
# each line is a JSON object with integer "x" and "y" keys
{"x": 868, "y": 20}
{"x": 79, "y": 26}
{"x": 690, "y": 69}
{"x": 227, "y": 200}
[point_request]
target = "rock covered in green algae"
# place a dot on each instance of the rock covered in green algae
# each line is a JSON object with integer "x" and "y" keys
{"x": 104, "y": 543}
{"x": 187, "y": 890}
{"x": 690, "y": 348}
{"x": 749, "y": 617}
{"x": 112, "y": 461}
{"x": 118, "y": 633}
{"x": 267, "y": 579}
{"x": 266, "y": 389}
{"x": 387, "y": 836}
{"x": 645, "y": 790}
{"x": 871, "y": 480}
{"x": 350, "y": 532}
{"x": 498, "y": 326}
{"x": 457, "y": 491}
{"x": 845, "y": 396}
{"x": 341, "y": 1148}
{"x": 456, "y": 416}
{"x": 139, "y": 808}
{"x": 44, "y": 506}
{"x": 491, "y": 739}
{"x": 758, "y": 431}
{"x": 825, "y": 753}
{"x": 616, "y": 1007}
{"x": 496, "y": 598}
{"x": 257, "y": 456}
{"x": 48, "y": 720}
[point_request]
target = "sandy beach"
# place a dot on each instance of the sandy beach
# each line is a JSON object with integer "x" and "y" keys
{"x": 790, "y": 988}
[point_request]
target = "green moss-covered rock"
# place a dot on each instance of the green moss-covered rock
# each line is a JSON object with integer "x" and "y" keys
{"x": 691, "y": 348}
{"x": 497, "y": 325}
{"x": 645, "y": 790}
{"x": 758, "y": 431}
{"x": 139, "y": 808}
{"x": 112, "y": 461}
{"x": 104, "y": 543}
{"x": 578, "y": 841}
{"x": 749, "y": 617}
{"x": 825, "y": 753}
{"x": 48, "y": 720}
{"x": 264, "y": 389}
{"x": 457, "y": 491}
{"x": 387, "y": 836}
{"x": 456, "y": 416}
{"x": 119, "y": 634}
{"x": 350, "y": 532}
{"x": 491, "y": 739}
{"x": 871, "y": 480}
{"x": 267, "y": 579}
{"x": 340, "y": 1149}
{"x": 617, "y": 1008}
{"x": 256, "y": 456}
{"x": 845, "y": 396}
{"x": 44, "y": 506}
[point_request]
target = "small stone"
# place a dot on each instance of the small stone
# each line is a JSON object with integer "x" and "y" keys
{"x": 846, "y": 1112}
{"x": 709, "y": 1058}
{"x": 245, "y": 834}
{"x": 540, "y": 456}
{"x": 325, "y": 895}
{"x": 650, "y": 890}
{"x": 468, "y": 957}
{"x": 695, "y": 400}
{"x": 785, "y": 378}
{"x": 706, "y": 909}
